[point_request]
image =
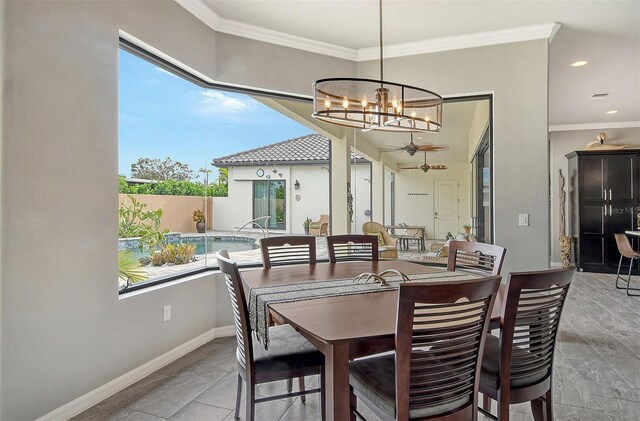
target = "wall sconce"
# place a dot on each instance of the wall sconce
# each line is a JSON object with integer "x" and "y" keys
{"x": 296, "y": 185}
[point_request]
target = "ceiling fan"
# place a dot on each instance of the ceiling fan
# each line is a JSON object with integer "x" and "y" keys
{"x": 426, "y": 167}
{"x": 412, "y": 148}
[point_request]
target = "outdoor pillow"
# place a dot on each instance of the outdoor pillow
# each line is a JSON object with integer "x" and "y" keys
{"x": 316, "y": 226}
{"x": 380, "y": 237}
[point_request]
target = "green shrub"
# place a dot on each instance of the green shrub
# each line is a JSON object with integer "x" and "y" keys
{"x": 129, "y": 268}
{"x": 173, "y": 187}
{"x": 174, "y": 254}
{"x": 134, "y": 221}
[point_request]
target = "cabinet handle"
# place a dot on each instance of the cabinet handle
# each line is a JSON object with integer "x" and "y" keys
{"x": 610, "y": 211}
{"x": 610, "y": 197}
{"x": 605, "y": 210}
{"x": 605, "y": 194}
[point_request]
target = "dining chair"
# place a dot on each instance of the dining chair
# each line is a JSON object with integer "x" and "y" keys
{"x": 352, "y": 247}
{"x": 517, "y": 366}
{"x": 289, "y": 354}
{"x": 626, "y": 250}
{"x": 288, "y": 250}
{"x": 481, "y": 258}
{"x": 435, "y": 370}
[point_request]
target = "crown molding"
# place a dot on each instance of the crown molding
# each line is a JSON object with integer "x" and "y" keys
{"x": 458, "y": 42}
{"x": 594, "y": 126}
{"x": 199, "y": 9}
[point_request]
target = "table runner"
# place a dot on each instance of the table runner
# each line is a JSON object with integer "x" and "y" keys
{"x": 260, "y": 298}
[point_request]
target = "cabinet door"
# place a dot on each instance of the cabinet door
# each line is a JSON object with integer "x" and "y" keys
{"x": 592, "y": 178}
{"x": 593, "y": 256}
{"x": 621, "y": 178}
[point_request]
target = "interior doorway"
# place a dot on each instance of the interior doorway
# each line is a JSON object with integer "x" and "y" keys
{"x": 482, "y": 214}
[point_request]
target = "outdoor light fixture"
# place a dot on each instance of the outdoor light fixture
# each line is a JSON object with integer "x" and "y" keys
{"x": 372, "y": 104}
{"x": 296, "y": 185}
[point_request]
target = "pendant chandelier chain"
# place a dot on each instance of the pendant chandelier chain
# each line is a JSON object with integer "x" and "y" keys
{"x": 381, "y": 61}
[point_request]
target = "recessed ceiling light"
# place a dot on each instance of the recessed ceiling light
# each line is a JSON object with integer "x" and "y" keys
{"x": 612, "y": 112}
{"x": 579, "y": 63}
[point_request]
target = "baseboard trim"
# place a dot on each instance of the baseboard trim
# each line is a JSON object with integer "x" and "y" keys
{"x": 109, "y": 389}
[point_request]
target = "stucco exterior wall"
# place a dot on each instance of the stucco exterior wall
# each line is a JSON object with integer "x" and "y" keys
{"x": 177, "y": 211}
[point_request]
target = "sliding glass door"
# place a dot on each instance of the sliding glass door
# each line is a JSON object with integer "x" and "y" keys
{"x": 268, "y": 200}
{"x": 482, "y": 191}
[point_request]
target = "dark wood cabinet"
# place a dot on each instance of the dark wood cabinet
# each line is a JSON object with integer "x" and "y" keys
{"x": 603, "y": 191}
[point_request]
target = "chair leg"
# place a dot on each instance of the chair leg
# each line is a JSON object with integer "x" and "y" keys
{"x": 548, "y": 406}
{"x": 618, "y": 274}
{"x": 503, "y": 409}
{"x": 303, "y": 398}
{"x": 236, "y": 415}
{"x": 323, "y": 409}
{"x": 289, "y": 385}
{"x": 537, "y": 409}
{"x": 486, "y": 403}
{"x": 251, "y": 402}
{"x": 629, "y": 280}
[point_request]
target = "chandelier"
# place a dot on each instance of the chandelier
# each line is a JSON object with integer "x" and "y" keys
{"x": 372, "y": 104}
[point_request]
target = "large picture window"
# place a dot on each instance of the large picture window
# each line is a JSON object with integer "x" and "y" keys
{"x": 197, "y": 164}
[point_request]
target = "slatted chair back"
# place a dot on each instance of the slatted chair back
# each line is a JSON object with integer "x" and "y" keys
{"x": 440, "y": 336}
{"x": 288, "y": 250}
{"x": 530, "y": 325}
{"x": 352, "y": 247}
{"x": 481, "y": 258}
{"x": 229, "y": 268}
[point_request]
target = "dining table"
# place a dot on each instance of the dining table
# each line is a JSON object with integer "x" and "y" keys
{"x": 343, "y": 327}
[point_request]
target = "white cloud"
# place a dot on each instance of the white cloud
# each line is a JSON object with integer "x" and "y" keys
{"x": 218, "y": 102}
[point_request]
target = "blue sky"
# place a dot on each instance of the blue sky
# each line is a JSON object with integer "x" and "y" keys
{"x": 161, "y": 115}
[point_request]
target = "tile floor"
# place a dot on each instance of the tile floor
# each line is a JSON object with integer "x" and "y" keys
{"x": 597, "y": 371}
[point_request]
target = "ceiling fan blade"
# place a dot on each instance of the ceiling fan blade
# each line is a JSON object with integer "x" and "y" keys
{"x": 438, "y": 167}
{"x": 410, "y": 168}
{"x": 432, "y": 148}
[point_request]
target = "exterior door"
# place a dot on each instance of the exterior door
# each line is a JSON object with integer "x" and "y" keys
{"x": 445, "y": 208}
{"x": 269, "y": 200}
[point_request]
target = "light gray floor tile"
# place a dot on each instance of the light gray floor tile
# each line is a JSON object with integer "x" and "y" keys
{"x": 620, "y": 410}
{"x": 629, "y": 369}
{"x": 199, "y": 411}
{"x": 222, "y": 393}
{"x": 569, "y": 389}
{"x": 172, "y": 396}
{"x": 601, "y": 379}
{"x": 266, "y": 411}
{"x": 573, "y": 413}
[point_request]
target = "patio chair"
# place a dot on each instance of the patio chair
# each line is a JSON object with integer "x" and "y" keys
{"x": 517, "y": 366}
{"x": 289, "y": 355}
{"x": 481, "y": 258}
{"x": 352, "y": 247}
{"x": 387, "y": 245}
{"x": 288, "y": 250}
{"x": 434, "y": 372}
{"x": 320, "y": 227}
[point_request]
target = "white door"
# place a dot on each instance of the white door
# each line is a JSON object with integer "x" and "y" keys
{"x": 445, "y": 208}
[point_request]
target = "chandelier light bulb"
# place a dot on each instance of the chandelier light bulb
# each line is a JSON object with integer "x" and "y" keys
{"x": 394, "y": 102}
{"x": 345, "y": 102}
{"x": 413, "y": 112}
{"x": 327, "y": 102}
{"x": 364, "y": 101}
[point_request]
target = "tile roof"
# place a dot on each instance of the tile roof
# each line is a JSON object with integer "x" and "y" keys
{"x": 312, "y": 148}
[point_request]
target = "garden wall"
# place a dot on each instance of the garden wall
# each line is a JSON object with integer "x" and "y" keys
{"x": 177, "y": 211}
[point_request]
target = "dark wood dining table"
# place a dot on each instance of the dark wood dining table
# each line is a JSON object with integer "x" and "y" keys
{"x": 342, "y": 327}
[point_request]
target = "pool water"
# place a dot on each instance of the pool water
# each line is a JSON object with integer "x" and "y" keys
{"x": 207, "y": 245}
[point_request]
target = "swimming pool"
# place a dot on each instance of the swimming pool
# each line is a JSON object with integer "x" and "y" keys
{"x": 204, "y": 244}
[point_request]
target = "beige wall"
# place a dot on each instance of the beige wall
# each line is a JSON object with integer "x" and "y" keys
{"x": 568, "y": 141}
{"x": 65, "y": 331}
{"x": 177, "y": 211}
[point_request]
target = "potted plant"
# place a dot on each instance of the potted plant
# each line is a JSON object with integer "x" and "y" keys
{"x": 198, "y": 217}
{"x": 306, "y": 224}
{"x": 467, "y": 228}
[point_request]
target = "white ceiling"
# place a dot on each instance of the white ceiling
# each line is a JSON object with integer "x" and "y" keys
{"x": 605, "y": 33}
